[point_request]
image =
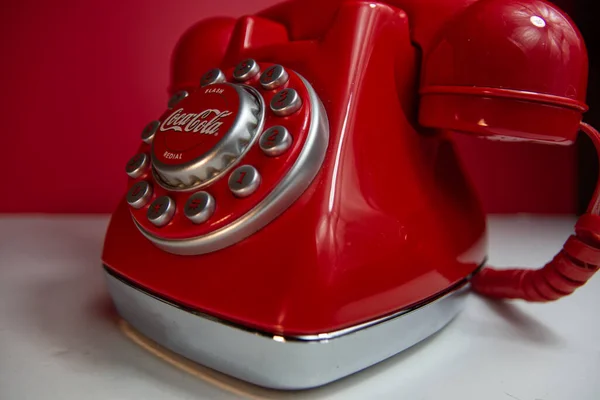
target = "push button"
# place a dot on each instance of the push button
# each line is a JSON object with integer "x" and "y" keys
{"x": 149, "y": 131}
{"x": 139, "y": 194}
{"x": 286, "y": 102}
{"x": 245, "y": 70}
{"x": 176, "y": 98}
{"x": 273, "y": 77}
{"x": 244, "y": 181}
{"x": 199, "y": 207}
{"x": 275, "y": 141}
{"x": 213, "y": 76}
{"x": 137, "y": 165}
{"x": 161, "y": 211}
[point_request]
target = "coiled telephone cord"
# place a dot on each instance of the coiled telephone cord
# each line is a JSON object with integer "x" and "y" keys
{"x": 570, "y": 269}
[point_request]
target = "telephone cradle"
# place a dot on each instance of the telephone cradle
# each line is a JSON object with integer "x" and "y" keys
{"x": 299, "y": 212}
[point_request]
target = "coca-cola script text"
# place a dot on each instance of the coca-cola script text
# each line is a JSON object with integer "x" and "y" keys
{"x": 207, "y": 122}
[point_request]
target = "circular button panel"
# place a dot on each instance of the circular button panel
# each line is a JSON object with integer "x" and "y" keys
{"x": 194, "y": 145}
{"x": 246, "y": 70}
{"x": 286, "y": 102}
{"x": 273, "y": 77}
{"x": 137, "y": 165}
{"x": 199, "y": 207}
{"x": 275, "y": 141}
{"x": 161, "y": 211}
{"x": 139, "y": 194}
{"x": 204, "y": 135}
{"x": 244, "y": 181}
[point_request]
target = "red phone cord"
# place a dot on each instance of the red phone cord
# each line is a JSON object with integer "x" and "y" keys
{"x": 570, "y": 269}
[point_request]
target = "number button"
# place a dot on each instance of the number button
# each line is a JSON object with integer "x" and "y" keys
{"x": 137, "y": 165}
{"x": 139, "y": 194}
{"x": 199, "y": 207}
{"x": 286, "y": 102}
{"x": 213, "y": 76}
{"x": 275, "y": 141}
{"x": 177, "y": 97}
{"x": 273, "y": 77}
{"x": 161, "y": 211}
{"x": 244, "y": 181}
{"x": 149, "y": 131}
{"x": 245, "y": 70}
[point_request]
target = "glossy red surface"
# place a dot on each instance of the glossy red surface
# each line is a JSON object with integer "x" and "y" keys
{"x": 528, "y": 51}
{"x": 390, "y": 220}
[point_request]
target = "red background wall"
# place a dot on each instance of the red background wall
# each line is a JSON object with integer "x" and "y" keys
{"x": 80, "y": 79}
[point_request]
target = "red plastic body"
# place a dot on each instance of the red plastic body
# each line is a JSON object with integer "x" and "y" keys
{"x": 390, "y": 220}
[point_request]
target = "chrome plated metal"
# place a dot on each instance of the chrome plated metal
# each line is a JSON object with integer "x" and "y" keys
{"x": 137, "y": 165}
{"x": 199, "y": 207}
{"x": 289, "y": 189}
{"x": 273, "y": 77}
{"x": 274, "y": 360}
{"x": 149, "y": 131}
{"x": 244, "y": 181}
{"x": 246, "y": 70}
{"x": 139, "y": 194}
{"x": 225, "y": 154}
{"x": 214, "y": 75}
{"x": 161, "y": 211}
{"x": 275, "y": 141}
{"x": 176, "y": 98}
{"x": 286, "y": 102}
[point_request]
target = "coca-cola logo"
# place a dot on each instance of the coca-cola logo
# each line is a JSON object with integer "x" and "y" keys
{"x": 207, "y": 122}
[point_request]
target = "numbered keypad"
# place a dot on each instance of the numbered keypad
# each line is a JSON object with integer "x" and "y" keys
{"x": 286, "y": 102}
{"x": 273, "y": 77}
{"x": 215, "y": 75}
{"x": 161, "y": 211}
{"x": 246, "y": 70}
{"x": 139, "y": 194}
{"x": 244, "y": 181}
{"x": 176, "y": 98}
{"x": 275, "y": 141}
{"x": 149, "y": 131}
{"x": 154, "y": 207}
{"x": 199, "y": 207}
{"x": 137, "y": 165}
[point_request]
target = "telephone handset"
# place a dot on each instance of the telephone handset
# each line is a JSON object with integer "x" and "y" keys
{"x": 300, "y": 197}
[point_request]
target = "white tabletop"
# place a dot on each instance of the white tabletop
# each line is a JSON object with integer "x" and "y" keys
{"x": 61, "y": 339}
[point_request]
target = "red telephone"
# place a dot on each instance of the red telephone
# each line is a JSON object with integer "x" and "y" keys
{"x": 299, "y": 213}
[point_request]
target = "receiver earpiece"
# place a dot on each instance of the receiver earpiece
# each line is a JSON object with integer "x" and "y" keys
{"x": 507, "y": 70}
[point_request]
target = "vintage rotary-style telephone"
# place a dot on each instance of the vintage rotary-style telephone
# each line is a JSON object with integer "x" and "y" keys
{"x": 298, "y": 212}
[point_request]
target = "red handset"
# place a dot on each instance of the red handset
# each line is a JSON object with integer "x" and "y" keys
{"x": 531, "y": 87}
{"x": 301, "y": 199}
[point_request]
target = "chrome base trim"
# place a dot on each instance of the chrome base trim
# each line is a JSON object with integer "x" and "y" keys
{"x": 273, "y": 361}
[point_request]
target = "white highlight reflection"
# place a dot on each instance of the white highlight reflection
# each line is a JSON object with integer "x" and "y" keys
{"x": 537, "y": 21}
